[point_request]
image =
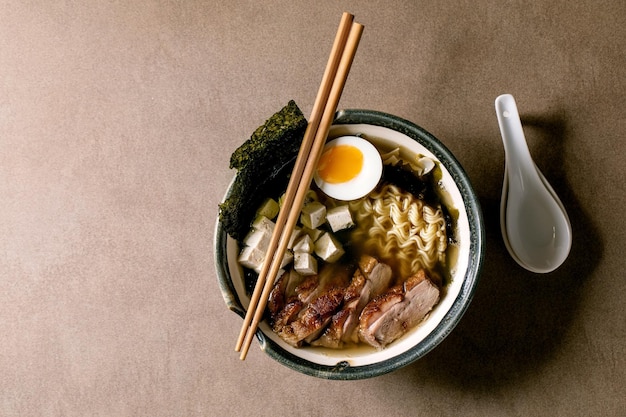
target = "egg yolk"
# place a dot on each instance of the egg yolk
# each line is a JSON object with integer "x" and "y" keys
{"x": 340, "y": 163}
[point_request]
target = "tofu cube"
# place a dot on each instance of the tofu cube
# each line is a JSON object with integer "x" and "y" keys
{"x": 263, "y": 223}
{"x": 305, "y": 263}
{"x": 259, "y": 239}
{"x": 339, "y": 218}
{"x": 304, "y": 244}
{"x": 328, "y": 248}
{"x": 262, "y": 229}
{"x": 313, "y": 233}
{"x": 268, "y": 209}
{"x": 295, "y": 235}
{"x": 287, "y": 258}
{"x": 313, "y": 215}
{"x": 252, "y": 258}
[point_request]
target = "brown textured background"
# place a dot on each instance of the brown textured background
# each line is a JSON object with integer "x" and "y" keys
{"x": 116, "y": 123}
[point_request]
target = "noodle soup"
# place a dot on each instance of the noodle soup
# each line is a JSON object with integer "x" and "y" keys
{"x": 451, "y": 235}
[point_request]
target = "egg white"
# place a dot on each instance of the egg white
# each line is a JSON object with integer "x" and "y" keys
{"x": 364, "y": 182}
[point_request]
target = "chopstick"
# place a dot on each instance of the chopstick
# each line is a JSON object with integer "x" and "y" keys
{"x": 333, "y": 81}
{"x": 305, "y": 148}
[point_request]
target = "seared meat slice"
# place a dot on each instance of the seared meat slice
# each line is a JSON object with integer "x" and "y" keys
{"x": 283, "y": 293}
{"x": 309, "y": 288}
{"x": 276, "y": 300}
{"x": 330, "y": 275}
{"x": 331, "y": 337}
{"x": 312, "y": 319}
{"x": 287, "y": 315}
{"x": 315, "y": 300}
{"x": 334, "y": 333}
{"x": 393, "y": 313}
{"x": 370, "y": 280}
{"x": 377, "y": 281}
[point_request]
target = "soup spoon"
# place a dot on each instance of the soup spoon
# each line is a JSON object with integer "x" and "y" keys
{"x": 534, "y": 224}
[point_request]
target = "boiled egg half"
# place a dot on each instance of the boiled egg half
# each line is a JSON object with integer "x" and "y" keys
{"x": 349, "y": 168}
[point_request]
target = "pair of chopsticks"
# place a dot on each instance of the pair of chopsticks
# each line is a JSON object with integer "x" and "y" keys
{"x": 322, "y": 115}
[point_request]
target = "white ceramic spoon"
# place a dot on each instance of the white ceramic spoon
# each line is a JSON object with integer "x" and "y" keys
{"x": 534, "y": 224}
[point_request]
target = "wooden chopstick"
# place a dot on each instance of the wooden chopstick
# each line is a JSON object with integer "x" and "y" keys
{"x": 313, "y": 144}
{"x": 307, "y": 141}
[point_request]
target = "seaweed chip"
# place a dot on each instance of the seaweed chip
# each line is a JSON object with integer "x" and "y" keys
{"x": 269, "y": 151}
{"x": 275, "y": 140}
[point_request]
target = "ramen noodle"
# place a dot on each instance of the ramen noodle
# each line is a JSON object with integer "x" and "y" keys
{"x": 401, "y": 230}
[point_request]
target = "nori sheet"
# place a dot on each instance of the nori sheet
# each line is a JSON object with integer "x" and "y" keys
{"x": 262, "y": 162}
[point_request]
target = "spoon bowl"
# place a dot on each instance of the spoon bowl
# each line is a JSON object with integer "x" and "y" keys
{"x": 534, "y": 223}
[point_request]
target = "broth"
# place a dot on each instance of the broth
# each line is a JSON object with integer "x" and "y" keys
{"x": 442, "y": 270}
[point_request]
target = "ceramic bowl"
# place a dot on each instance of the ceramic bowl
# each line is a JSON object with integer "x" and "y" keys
{"x": 359, "y": 363}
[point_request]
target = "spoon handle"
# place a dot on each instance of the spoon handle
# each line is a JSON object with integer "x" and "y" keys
{"x": 516, "y": 149}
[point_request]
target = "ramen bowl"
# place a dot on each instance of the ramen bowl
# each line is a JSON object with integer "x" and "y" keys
{"x": 383, "y": 130}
